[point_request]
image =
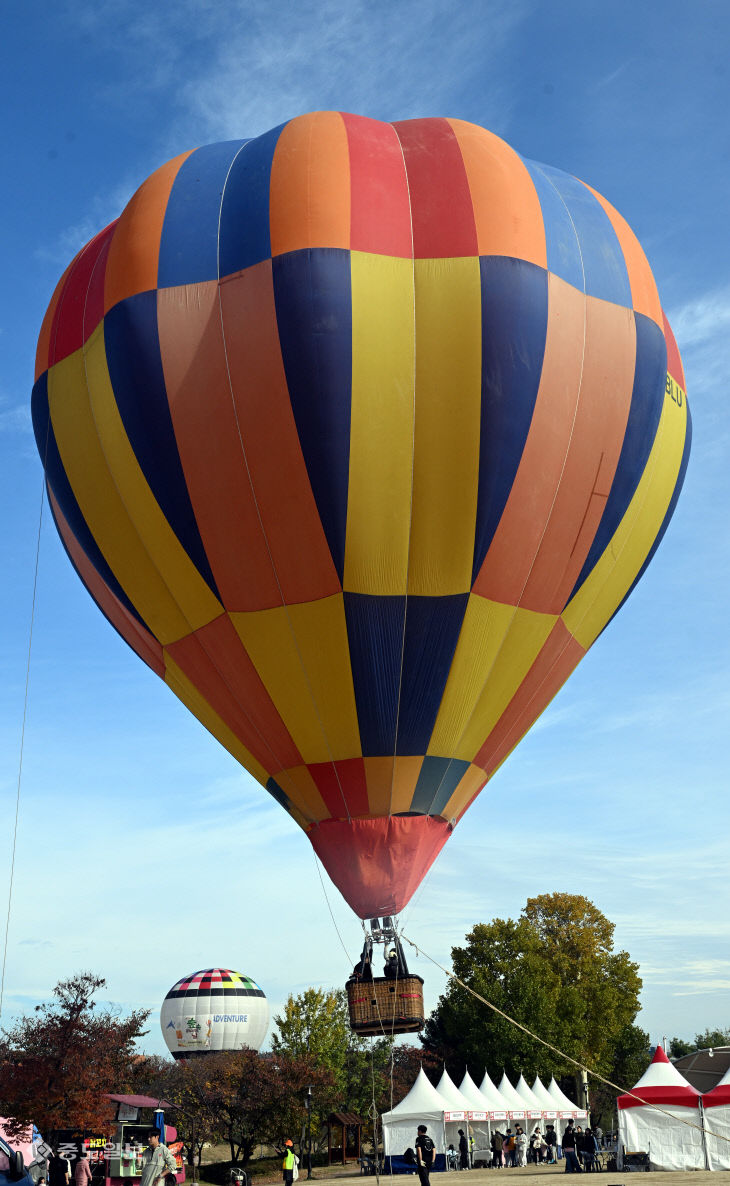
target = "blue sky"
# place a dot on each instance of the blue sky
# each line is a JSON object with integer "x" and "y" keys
{"x": 143, "y": 851}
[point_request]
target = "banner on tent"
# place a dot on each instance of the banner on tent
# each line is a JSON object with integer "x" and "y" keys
{"x": 497, "y": 1115}
{"x": 454, "y": 1115}
{"x": 477, "y": 1115}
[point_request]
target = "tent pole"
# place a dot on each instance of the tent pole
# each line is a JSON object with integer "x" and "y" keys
{"x": 704, "y": 1135}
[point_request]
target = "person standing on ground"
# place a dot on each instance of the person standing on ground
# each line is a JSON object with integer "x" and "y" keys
{"x": 425, "y": 1149}
{"x": 496, "y": 1144}
{"x": 536, "y": 1143}
{"x": 157, "y": 1160}
{"x": 579, "y": 1144}
{"x": 59, "y": 1172}
{"x": 508, "y": 1148}
{"x": 551, "y": 1140}
{"x": 572, "y": 1165}
{"x": 288, "y": 1162}
{"x": 463, "y": 1151}
{"x": 520, "y": 1146}
{"x": 589, "y": 1149}
{"x": 82, "y": 1170}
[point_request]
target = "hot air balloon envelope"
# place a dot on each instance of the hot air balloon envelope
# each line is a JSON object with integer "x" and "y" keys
{"x": 360, "y": 433}
{"x": 213, "y": 1010}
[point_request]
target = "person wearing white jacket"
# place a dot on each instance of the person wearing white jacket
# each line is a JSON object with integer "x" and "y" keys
{"x": 521, "y": 1146}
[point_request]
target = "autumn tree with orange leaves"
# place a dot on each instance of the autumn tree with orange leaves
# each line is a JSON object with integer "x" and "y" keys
{"x": 58, "y": 1064}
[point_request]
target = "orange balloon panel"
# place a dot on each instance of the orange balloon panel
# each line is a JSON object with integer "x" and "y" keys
{"x": 360, "y": 433}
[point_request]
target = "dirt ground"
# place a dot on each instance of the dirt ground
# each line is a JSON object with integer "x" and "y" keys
{"x": 527, "y": 1175}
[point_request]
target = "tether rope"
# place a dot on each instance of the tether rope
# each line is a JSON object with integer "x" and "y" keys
{"x": 22, "y": 735}
{"x": 561, "y": 1054}
{"x": 334, "y": 923}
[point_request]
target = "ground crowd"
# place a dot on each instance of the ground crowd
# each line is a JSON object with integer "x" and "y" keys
{"x": 580, "y": 1149}
{"x": 517, "y": 1148}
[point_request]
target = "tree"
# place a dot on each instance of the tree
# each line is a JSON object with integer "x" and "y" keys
{"x": 553, "y": 970}
{"x": 242, "y": 1098}
{"x": 56, "y": 1067}
{"x": 709, "y": 1039}
{"x": 186, "y": 1085}
{"x": 315, "y": 1027}
{"x": 407, "y": 1062}
{"x": 369, "y": 1076}
{"x": 631, "y": 1057}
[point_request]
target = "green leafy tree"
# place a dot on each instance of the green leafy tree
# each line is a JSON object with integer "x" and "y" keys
{"x": 632, "y": 1054}
{"x": 314, "y": 1026}
{"x": 710, "y": 1038}
{"x": 57, "y": 1066}
{"x": 369, "y": 1077}
{"x": 553, "y": 970}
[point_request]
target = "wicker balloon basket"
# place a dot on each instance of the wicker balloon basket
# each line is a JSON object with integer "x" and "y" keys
{"x": 386, "y": 1006}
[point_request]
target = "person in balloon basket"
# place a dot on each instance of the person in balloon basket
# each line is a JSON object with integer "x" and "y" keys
{"x": 572, "y": 1165}
{"x": 390, "y": 970}
{"x": 157, "y": 1161}
{"x": 425, "y": 1150}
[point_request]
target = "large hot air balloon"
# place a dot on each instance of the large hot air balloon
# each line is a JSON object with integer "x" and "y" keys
{"x": 360, "y": 433}
{"x": 212, "y": 1010}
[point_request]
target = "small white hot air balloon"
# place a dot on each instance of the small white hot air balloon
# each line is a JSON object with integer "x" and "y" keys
{"x": 212, "y": 1010}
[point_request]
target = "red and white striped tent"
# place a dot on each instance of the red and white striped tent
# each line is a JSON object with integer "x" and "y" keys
{"x": 716, "y": 1105}
{"x": 661, "y": 1117}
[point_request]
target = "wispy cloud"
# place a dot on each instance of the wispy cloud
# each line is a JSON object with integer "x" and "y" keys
{"x": 608, "y": 80}
{"x": 239, "y": 69}
{"x": 324, "y": 54}
{"x": 14, "y": 418}
{"x": 702, "y": 329}
{"x": 703, "y": 319}
{"x": 101, "y": 209}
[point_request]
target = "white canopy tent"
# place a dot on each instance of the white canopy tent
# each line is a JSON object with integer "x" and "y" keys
{"x": 532, "y": 1103}
{"x": 517, "y": 1107}
{"x": 716, "y": 1108}
{"x": 478, "y": 1103}
{"x": 564, "y": 1104}
{"x": 479, "y": 1122}
{"x": 671, "y": 1131}
{"x": 550, "y": 1109}
{"x": 422, "y": 1105}
{"x": 499, "y": 1111}
{"x": 498, "y": 1106}
{"x": 456, "y": 1115}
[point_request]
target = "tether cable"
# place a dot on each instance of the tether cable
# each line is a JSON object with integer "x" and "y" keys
{"x": 22, "y": 731}
{"x": 334, "y": 923}
{"x": 561, "y": 1054}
